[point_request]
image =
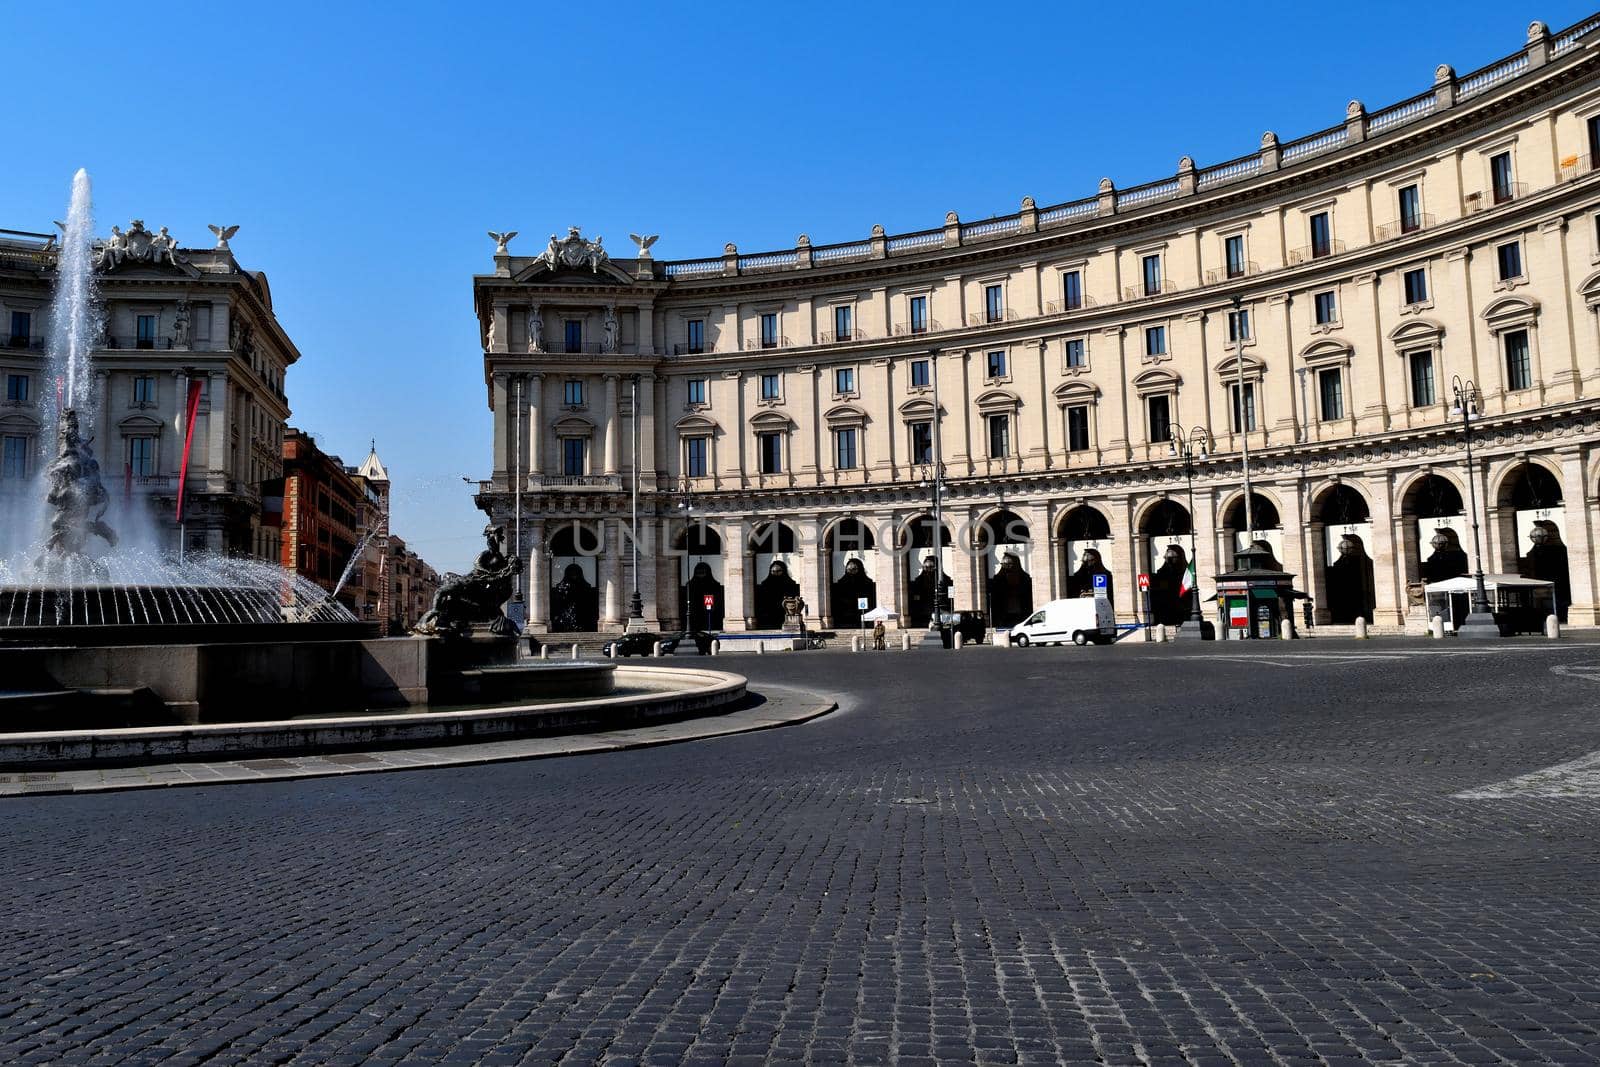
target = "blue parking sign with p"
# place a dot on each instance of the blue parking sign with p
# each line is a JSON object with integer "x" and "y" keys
{"x": 1100, "y": 581}
{"x": 1102, "y": 588}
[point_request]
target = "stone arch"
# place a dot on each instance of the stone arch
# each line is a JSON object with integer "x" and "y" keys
{"x": 1084, "y": 533}
{"x": 701, "y": 573}
{"x": 1531, "y": 520}
{"x": 1530, "y": 483}
{"x": 927, "y": 583}
{"x": 1434, "y": 529}
{"x": 849, "y": 546}
{"x": 574, "y": 548}
{"x": 1267, "y": 526}
{"x": 1005, "y": 540}
{"x": 776, "y": 571}
{"x": 1344, "y": 582}
{"x": 1166, "y": 535}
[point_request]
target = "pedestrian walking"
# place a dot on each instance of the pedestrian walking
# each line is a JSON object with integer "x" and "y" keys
{"x": 879, "y": 636}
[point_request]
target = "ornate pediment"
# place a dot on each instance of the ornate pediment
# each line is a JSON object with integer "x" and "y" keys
{"x": 573, "y": 252}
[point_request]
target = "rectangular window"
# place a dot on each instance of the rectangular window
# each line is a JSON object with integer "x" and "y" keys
{"x": 993, "y": 303}
{"x": 922, "y": 442}
{"x": 844, "y": 449}
{"x": 770, "y": 448}
{"x": 697, "y": 335}
{"x": 1078, "y": 428}
{"x": 142, "y": 456}
{"x": 1075, "y": 353}
{"x": 1244, "y": 414}
{"x": 1410, "y": 209}
{"x": 1238, "y": 326}
{"x": 1509, "y": 259}
{"x": 146, "y": 326}
{"x": 13, "y": 456}
{"x": 16, "y": 388}
{"x": 1159, "y": 408}
{"x": 919, "y": 374}
{"x": 1233, "y": 252}
{"x": 1072, "y": 290}
{"x": 1500, "y": 176}
{"x": 1151, "y": 268}
{"x": 844, "y": 381}
{"x": 1155, "y": 340}
{"x": 21, "y": 328}
{"x": 1321, "y": 235}
{"x": 919, "y": 314}
{"x": 1519, "y": 371}
{"x": 696, "y": 390}
{"x": 572, "y": 394}
{"x": 1330, "y": 383}
{"x": 1416, "y": 286}
{"x": 1327, "y": 308}
{"x": 769, "y": 329}
{"x": 997, "y": 364}
{"x": 771, "y": 387}
{"x": 1594, "y": 142}
{"x": 144, "y": 390}
{"x": 574, "y": 336}
{"x": 999, "y": 436}
{"x": 573, "y": 456}
{"x": 1422, "y": 392}
{"x": 841, "y": 323}
{"x": 695, "y": 452}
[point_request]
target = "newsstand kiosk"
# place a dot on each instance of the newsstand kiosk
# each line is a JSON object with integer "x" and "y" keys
{"x": 1254, "y": 600}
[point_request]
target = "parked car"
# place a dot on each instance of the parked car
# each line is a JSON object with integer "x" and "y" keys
{"x": 1079, "y": 620}
{"x": 973, "y": 626}
{"x": 640, "y": 644}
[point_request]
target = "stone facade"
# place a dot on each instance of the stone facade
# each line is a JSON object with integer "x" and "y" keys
{"x": 195, "y": 316}
{"x": 1053, "y": 352}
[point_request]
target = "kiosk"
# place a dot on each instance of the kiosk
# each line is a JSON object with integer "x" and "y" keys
{"x": 1254, "y": 600}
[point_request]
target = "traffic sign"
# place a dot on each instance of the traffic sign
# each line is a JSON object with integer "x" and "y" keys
{"x": 1102, "y": 586}
{"x": 861, "y": 603}
{"x": 1144, "y": 583}
{"x": 710, "y": 600}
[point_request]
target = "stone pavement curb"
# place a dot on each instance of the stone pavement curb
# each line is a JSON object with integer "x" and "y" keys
{"x": 782, "y": 706}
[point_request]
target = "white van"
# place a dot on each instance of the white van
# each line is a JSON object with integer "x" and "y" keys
{"x": 1080, "y": 620}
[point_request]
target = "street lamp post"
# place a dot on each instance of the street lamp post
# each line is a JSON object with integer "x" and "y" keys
{"x": 1246, "y": 411}
{"x": 635, "y": 603}
{"x": 935, "y": 635}
{"x": 1187, "y": 446}
{"x": 686, "y": 505}
{"x": 1480, "y": 622}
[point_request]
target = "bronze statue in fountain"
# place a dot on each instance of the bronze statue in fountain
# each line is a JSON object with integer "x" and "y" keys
{"x": 77, "y": 500}
{"x": 476, "y": 598}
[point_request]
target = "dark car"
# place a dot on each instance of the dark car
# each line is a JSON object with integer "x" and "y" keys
{"x": 640, "y": 644}
{"x": 973, "y": 626}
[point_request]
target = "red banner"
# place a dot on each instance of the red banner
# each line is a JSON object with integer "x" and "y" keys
{"x": 188, "y": 440}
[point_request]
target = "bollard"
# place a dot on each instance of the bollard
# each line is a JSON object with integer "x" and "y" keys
{"x": 1286, "y": 631}
{"x": 1436, "y": 627}
{"x": 574, "y": 650}
{"x": 612, "y": 651}
{"x": 656, "y": 650}
{"x": 955, "y": 642}
{"x": 761, "y": 648}
{"x": 855, "y": 644}
{"x": 905, "y": 642}
{"x": 1361, "y": 628}
{"x": 1161, "y": 632}
{"x": 1552, "y": 627}
{"x": 716, "y": 648}
{"x": 544, "y": 651}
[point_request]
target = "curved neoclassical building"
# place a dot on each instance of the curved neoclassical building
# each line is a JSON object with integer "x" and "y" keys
{"x": 1313, "y": 304}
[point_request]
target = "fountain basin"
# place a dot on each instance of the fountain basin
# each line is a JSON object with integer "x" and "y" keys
{"x": 677, "y": 693}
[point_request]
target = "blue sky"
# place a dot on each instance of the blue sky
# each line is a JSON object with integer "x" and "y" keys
{"x": 365, "y": 148}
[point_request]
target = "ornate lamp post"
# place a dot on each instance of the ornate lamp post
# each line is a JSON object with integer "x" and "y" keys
{"x": 686, "y": 505}
{"x": 1187, "y": 446}
{"x": 1480, "y": 622}
{"x": 935, "y": 635}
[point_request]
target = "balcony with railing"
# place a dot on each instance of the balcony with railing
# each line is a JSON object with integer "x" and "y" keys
{"x": 914, "y": 242}
{"x": 917, "y": 329}
{"x": 588, "y": 483}
{"x": 24, "y": 343}
{"x": 1149, "y": 290}
{"x": 1482, "y": 200}
{"x": 991, "y": 317}
{"x": 1061, "y": 307}
{"x": 989, "y": 228}
{"x": 755, "y": 344}
{"x": 143, "y": 344}
{"x": 683, "y": 349}
{"x": 1576, "y": 167}
{"x": 1334, "y": 247}
{"x": 1403, "y": 226}
{"x": 1218, "y": 275}
{"x": 841, "y": 337}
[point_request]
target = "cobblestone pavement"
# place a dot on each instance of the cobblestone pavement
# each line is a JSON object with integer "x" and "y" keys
{"x": 1121, "y": 855}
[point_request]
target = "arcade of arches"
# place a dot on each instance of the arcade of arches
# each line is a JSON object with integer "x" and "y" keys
{"x": 1361, "y": 546}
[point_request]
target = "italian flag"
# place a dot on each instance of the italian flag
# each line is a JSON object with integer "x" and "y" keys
{"x": 1187, "y": 584}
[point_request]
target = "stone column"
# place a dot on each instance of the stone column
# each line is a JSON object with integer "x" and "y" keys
{"x": 647, "y": 330}
{"x": 1123, "y": 559}
{"x": 533, "y": 395}
{"x": 502, "y": 420}
{"x": 1388, "y": 576}
{"x": 538, "y": 578}
{"x": 1295, "y": 542}
{"x": 611, "y": 576}
{"x": 815, "y": 588}
{"x": 886, "y": 565}
{"x": 1580, "y": 505}
{"x": 217, "y": 430}
{"x": 613, "y": 424}
{"x": 1204, "y": 536}
{"x": 1042, "y": 553}
{"x": 733, "y": 568}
